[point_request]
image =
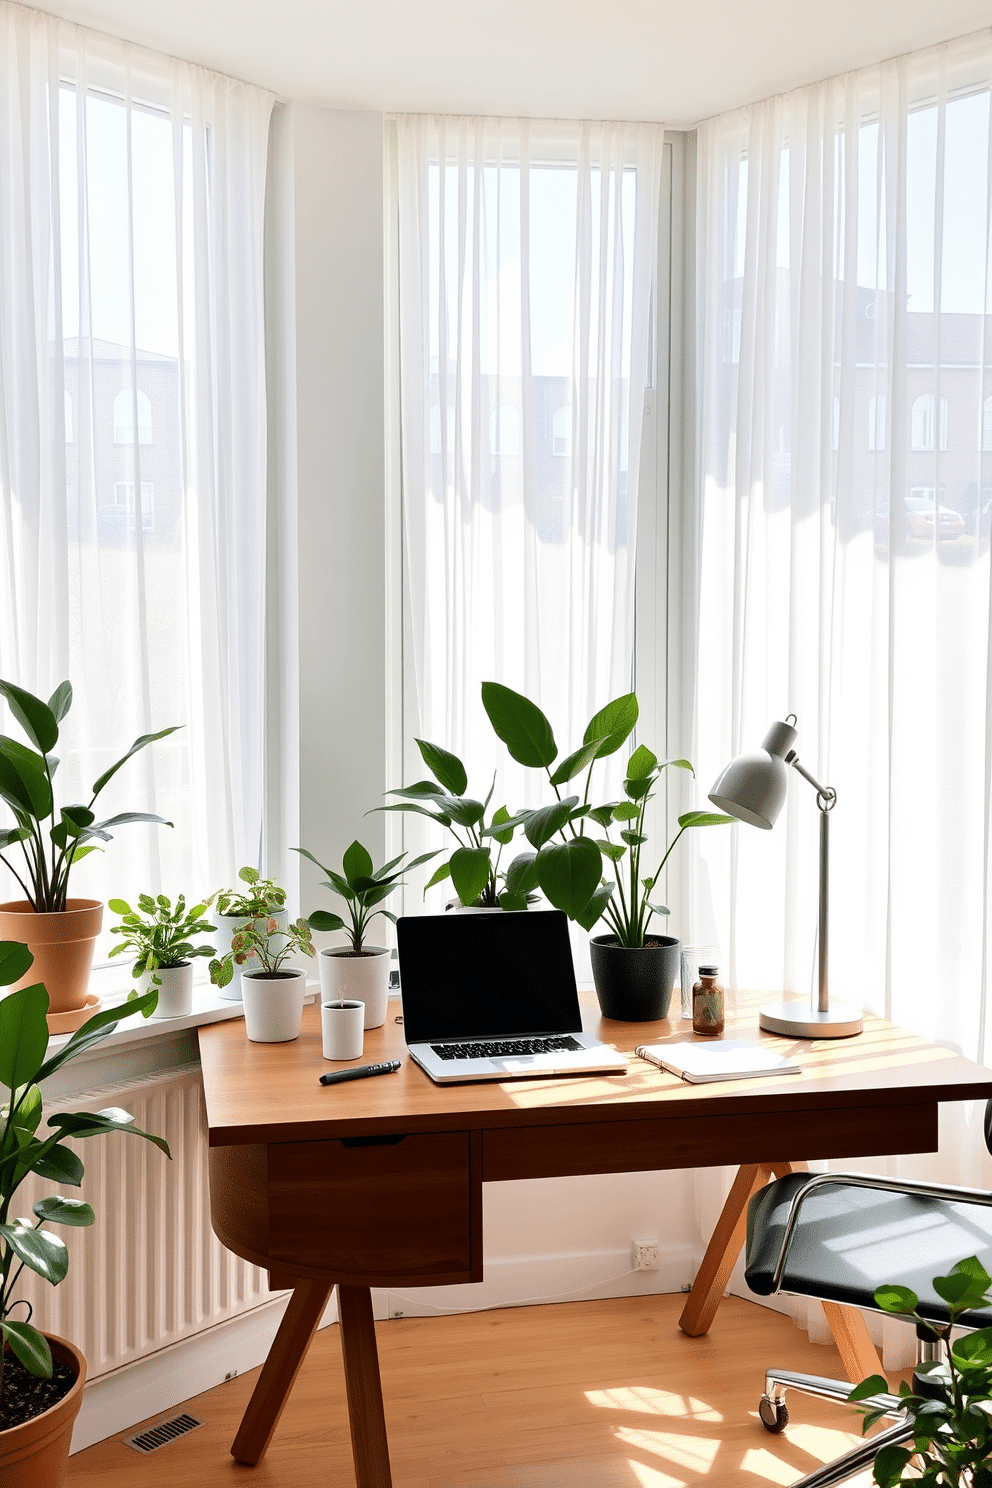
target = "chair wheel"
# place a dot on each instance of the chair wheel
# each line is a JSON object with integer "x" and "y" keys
{"x": 774, "y": 1414}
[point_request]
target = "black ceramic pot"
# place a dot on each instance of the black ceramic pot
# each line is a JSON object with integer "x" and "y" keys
{"x": 635, "y": 986}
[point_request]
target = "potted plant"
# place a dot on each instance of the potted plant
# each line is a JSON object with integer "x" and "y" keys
{"x": 160, "y": 937}
{"x": 261, "y": 901}
{"x": 951, "y": 1410}
{"x": 61, "y": 932}
{"x": 473, "y": 870}
{"x": 358, "y": 972}
{"x": 36, "y": 1426}
{"x": 273, "y": 995}
{"x": 634, "y": 968}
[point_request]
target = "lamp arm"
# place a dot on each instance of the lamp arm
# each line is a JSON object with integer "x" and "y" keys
{"x": 825, "y": 794}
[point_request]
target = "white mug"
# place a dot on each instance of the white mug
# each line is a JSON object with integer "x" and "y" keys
{"x": 342, "y": 1029}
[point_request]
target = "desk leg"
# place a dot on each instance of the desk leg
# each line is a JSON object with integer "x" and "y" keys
{"x": 289, "y": 1349}
{"x": 858, "y": 1354}
{"x": 722, "y": 1251}
{"x": 850, "y": 1331}
{"x": 364, "y": 1387}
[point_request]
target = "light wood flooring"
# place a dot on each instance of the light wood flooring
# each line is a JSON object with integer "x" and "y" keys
{"x": 577, "y": 1395}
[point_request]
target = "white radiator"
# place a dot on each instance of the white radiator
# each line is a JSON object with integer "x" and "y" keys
{"x": 150, "y": 1271}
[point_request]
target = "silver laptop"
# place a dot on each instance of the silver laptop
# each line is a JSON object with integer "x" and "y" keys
{"x": 493, "y": 997}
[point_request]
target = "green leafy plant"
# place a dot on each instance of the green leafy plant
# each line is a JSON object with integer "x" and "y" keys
{"x": 473, "y": 868}
{"x": 158, "y": 933}
{"x": 25, "y": 1149}
{"x": 261, "y": 938}
{"x": 363, "y": 888}
{"x": 567, "y": 860}
{"x": 629, "y": 911}
{"x": 952, "y": 1436}
{"x": 50, "y": 847}
{"x": 262, "y": 897}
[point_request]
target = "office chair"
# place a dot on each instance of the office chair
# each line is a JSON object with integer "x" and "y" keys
{"x": 838, "y": 1236}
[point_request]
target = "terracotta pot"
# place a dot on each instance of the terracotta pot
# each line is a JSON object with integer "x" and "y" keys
{"x": 36, "y": 1454}
{"x": 62, "y": 945}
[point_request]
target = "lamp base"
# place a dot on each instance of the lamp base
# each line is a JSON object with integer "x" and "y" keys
{"x": 803, "y": 1020}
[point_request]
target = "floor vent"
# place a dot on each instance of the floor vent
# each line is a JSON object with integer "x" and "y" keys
{"x": 162, "y": 1434}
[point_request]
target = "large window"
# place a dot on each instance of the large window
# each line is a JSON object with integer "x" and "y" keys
{"x": 846, "y": 225}
{"x": 133, "y": 356}
{"x": 526, "y": 260}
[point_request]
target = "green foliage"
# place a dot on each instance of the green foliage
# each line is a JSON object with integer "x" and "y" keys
{"x": 26, "y": 1148}
{"x": 49, "y": 846}
{"x": 158, "y": 933}
{"x": 265, "y": 938}
{"x": 262, "y": 897}
{"x": 362, "y": 887}
{"x": 472, "y": 865}
{"x": 952, "y": 1437}
{"x": 568, "y": 864}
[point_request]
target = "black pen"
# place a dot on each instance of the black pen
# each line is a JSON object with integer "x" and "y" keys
{"x": 360, "y": 1072}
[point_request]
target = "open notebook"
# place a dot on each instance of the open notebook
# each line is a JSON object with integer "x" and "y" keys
{"x": 720, "y": 1059}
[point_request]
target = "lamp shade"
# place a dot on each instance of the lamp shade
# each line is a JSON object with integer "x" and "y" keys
{"x": 753, "y": 786}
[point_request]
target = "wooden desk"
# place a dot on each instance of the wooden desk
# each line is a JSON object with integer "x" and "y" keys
{"x": 379, "y": 1182}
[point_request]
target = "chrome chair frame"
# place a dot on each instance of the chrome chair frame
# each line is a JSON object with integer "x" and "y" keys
{"x": 929, "y": 1347}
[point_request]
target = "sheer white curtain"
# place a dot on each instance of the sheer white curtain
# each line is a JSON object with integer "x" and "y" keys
{"x": 132, "y": 433}
{"x": 840, "y": 551}
{"x": 527, "y": 254}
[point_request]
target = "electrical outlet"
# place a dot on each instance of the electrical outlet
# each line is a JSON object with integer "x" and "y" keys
{"x": 645, "y": 1254}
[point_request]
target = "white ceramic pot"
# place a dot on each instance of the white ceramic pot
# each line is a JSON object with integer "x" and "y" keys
{"x": 175, "y": 994}
{"x": 227, "y": 926}
{"x": 273, "y": 1005}
{"x": 345, "y": 977}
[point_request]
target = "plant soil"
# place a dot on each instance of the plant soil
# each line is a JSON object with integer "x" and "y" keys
{"x": 25, "y": 1395}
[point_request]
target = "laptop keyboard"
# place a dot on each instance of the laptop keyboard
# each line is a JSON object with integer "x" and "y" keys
{"x": 505, "y": 1048}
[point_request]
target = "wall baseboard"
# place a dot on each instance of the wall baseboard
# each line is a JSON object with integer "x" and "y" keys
{"x": 118, "y": 1400}
{"x": 521, "y": 1281}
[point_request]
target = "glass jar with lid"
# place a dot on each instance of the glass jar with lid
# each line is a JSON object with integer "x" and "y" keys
{"x": 708, "y": 1008}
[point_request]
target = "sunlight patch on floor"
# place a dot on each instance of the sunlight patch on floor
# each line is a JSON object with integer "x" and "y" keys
{"x": 696, "y": 1454}
{"x": 650, "y": 1477}
{"x": 647, "y": 1401}
{"x": 823, "y": 1442}
{"x": 769, "y": 1469}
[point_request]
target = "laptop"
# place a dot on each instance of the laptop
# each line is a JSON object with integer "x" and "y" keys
{"x": 493, "y": 997}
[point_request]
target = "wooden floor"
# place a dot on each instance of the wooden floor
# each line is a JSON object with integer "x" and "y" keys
{"x": 578, "y": 1395}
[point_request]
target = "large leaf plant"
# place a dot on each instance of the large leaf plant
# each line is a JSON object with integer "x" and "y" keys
{"x": 472, "y": 866}
{"x": 952, "y": 1416}
{"x": 570, "y": 837}
{"x": 26, "y": 1148}
{"x": 363, "y": 888}
{"x": 51, "y": 840}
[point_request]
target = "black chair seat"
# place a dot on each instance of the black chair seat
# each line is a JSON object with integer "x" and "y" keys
{"x": 850, "y": 1240}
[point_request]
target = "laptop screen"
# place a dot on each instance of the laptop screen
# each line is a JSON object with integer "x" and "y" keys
{"x": 486, "y": 975}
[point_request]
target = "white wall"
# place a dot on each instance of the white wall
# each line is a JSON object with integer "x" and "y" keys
{"x": 327, "y": 379}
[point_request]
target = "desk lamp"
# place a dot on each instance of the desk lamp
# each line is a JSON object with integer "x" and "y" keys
{"x": 753, "y": 788}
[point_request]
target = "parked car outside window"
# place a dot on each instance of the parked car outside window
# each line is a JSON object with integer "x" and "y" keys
{"x": 920, "y": 520}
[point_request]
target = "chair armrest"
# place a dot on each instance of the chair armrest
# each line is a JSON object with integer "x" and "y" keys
{"x": 947, "y": 1192}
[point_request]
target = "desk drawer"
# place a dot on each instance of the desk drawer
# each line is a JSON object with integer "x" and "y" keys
{"x": 372, "y": 1210}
